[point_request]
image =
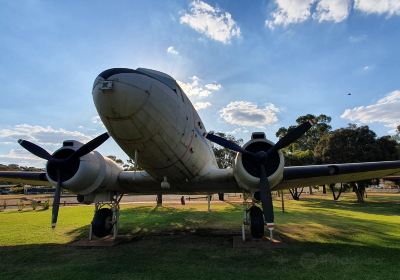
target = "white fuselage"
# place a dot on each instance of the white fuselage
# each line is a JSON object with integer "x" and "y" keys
{"x": 148, "y": 114}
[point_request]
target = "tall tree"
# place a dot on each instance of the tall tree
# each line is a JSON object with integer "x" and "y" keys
{"x": 225, "y": 157}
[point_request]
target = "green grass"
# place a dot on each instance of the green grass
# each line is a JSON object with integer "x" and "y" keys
{"x": 325, "y": 240}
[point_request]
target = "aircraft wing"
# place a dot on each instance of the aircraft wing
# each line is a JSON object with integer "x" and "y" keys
{"x": 293, "y": 176}
{"x": 32, "y": 178}
{"x": 313, "y": 175}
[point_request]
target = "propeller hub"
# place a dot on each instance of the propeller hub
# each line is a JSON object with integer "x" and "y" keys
{"x": 59, "y": 162}
{"x": 262, "y": 156}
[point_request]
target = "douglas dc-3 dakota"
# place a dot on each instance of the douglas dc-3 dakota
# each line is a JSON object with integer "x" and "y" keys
{"x": 154, "y": 122}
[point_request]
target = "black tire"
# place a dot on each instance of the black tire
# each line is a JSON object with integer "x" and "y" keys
{"x": 256, "y": 222}
{"x": 102, "y": 222}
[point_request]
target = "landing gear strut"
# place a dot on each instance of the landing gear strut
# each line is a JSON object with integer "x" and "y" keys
{"x": 106, "y": 218}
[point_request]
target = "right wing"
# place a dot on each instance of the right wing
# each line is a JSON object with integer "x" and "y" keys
{"x": 314, "y": 175}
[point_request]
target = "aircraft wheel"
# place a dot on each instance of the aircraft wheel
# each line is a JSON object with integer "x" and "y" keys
{"x": 256, "y": 222}
{"x": 102, "y": 222}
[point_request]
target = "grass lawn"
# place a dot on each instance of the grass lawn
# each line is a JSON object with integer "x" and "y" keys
{"x": 325, "y": 240}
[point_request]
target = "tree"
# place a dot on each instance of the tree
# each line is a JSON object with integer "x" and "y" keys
{"x": 396, "y": 137}
{"x": 16, "y": 167}
{"x": 115, "y": 159}
{"x": 389, "y": 148}
{"x": 301, "y": 152}
{"x": 355, "y": 144}
{"x": 225, "y": 157}
{"x": 130, "y": 165}
{"x": 310, "y": 139}
{"x": 351, "y": 144}
{"x": 298, "y": 157}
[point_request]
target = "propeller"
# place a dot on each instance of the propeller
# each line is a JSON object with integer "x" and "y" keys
{"x": 62, "y": 164}
{"x": 261, "y": 158}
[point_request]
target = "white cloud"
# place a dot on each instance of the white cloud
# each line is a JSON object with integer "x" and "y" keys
{"x": 238, "y": 130}
{"x": 201, "y": 105}
{"x": 297, "y": 11}
{"x": 194, "y": 89}
{"x": 357, "y": 38}
{"x": 290, "y": 11}
{"x": 96, "y": 120}
{"x": 213, "y": 86}
{"x": 47, "y": 137}
{"x": 244, "y": 113}
{"x": 332, "y": 10}
{"x": 367, "y": 68}
{"x": 389, "y": 7}
{"x": 172, "y": 50}
{"x": 22, "y": 158}
{"x": 211, "y": 21}
{"x": 385, "y": 111}
{"x": 40, "y": 135}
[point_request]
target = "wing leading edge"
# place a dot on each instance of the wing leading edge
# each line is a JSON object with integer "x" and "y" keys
{"x": 313, "y": 175}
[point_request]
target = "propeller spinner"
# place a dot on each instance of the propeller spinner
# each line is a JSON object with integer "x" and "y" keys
{"x": 61, "y": 165}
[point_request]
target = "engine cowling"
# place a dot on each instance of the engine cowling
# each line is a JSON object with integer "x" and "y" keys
{"x": 90, "y": 173}
{"x": 247, "y": 172}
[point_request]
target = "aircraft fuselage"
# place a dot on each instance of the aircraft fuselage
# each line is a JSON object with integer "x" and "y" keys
{"x": 148, "y": 114}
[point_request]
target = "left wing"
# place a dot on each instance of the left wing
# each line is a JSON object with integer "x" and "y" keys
{"x": 33, "y": 178}
{"x": 313, "y": 175}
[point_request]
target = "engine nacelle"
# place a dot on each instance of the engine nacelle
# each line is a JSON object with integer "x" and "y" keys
{"x": 247, "y": 171}
{"x": 90, "y": 173}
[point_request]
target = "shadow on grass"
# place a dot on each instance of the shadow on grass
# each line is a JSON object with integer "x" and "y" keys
{"x": 147, "y": 220}
{"x": 187, "y": 257}
{"x": 185, "y": 243}
{"x": 390, "y": 207}
{"x": 294, "y": 226}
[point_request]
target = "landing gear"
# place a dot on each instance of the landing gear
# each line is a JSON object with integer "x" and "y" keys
{"x": 106, "y": 217}
{"x": 102, "y": 223}
{"x": 256, "y": 222}
{"x": 254, "y": 218}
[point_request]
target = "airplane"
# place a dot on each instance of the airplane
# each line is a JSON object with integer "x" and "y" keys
{"x": 150, "y": 117}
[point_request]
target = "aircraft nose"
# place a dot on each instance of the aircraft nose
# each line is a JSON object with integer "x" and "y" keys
{"x": 120, "y": 92}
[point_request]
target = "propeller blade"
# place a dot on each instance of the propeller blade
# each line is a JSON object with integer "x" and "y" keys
{"x": 227, "y": 144}
{"x": 34, "y": 149}
{"x": 56, "y": 201}
{"x": 91, "y": 145}
{"x": 265, "y": 196}
{"x": 293, "y": 135}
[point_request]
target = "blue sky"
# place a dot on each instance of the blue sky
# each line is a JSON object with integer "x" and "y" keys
{"x": 247, "y": 65}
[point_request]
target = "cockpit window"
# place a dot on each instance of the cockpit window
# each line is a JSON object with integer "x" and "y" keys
{"x": 162, "y": 77}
